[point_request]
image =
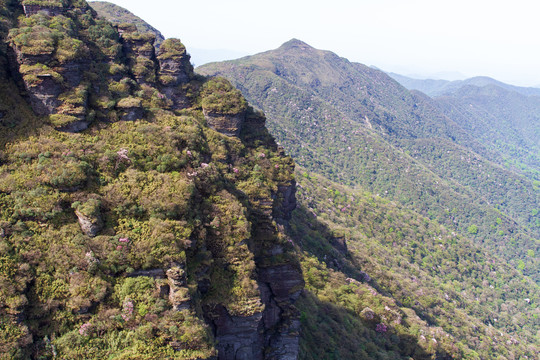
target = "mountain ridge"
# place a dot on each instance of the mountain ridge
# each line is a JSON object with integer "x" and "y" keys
{"x": 119, "y": 15}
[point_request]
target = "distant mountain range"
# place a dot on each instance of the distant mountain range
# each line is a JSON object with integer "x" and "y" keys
{"x": 505, "y": 117}
{"x": 434, "y": 88}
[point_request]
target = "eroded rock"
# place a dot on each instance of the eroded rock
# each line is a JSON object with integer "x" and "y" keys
{"x": 90, "y": 225}
{"x": 178, "y": 291}
{"x": 239, "y": 338}
{"x": 229, "y": 125}
{"x": 89, "y": 216}
{"x": 30, "y": 10}
{"x": 285, "y": 201}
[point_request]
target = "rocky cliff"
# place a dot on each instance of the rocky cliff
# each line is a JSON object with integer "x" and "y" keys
{"x": 154, "y": 202}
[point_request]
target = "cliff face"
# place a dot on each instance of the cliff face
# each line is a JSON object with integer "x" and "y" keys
{"x": 156, "y": 225}
{"x": 273, "y": 331}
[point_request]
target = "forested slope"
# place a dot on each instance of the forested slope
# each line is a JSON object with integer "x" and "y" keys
{"x": 383, "y": 282}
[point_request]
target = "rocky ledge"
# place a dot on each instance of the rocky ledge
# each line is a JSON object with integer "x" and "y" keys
{"x": 229, "y": 125}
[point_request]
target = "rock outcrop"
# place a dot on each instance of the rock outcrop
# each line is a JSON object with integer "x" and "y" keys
{"x": 227, "y": 124}
{"x": 140, "y": 52}
{"x": 53, "y": 67}
{"x": 89, "y": 217}
{"x": 130, "y": 109}
{"x": 178, "y": 291}
{"x": 285, "y": 200}
{"x": 224, "y": 107}
{"x": 50, "y": 9}
{"x": 280, "y": 283}
{"x": 239, "y": 338}
{"x": 91, "y": 226}
{"x": 175, "y": 70}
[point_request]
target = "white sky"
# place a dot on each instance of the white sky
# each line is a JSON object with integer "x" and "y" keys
{"x": 494, "y": 38}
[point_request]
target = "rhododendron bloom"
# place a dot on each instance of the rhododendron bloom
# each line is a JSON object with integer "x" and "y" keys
{"x": 127, "y": 310}
{"x": 122, "y": 154}
{"x": 381, "y": 328}
{"x": 83, "y": 330}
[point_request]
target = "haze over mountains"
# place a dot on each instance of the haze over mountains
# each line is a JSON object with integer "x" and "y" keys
{"x": 438, "y": 87}
{"x": 166, "y": 226}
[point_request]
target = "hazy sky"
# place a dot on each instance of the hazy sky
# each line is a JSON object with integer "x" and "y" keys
{"x": 495, "y": 38}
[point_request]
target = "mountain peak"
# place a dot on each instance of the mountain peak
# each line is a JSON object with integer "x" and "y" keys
{"x": 295, "y": 44}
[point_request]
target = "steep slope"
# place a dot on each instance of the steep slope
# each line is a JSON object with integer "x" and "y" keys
{"x": 357, "y": 126}
{"x": 118, "y": 15}
{"x": 141, "y": 206}
{"x": 383, "y": 282}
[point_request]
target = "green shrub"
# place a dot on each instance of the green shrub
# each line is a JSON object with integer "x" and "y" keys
{"x": 46, "y": 3}
{"x": 129, "y": 102}
{"x": 36, "y": 40}
{"x": 33, "y": 75}
{"x": 171, "y": 48}
{"x": 90, "y": 208}
{"x": 219, "y": 96}
{"x": 61, "y": 120}
{"x": 473, "y": 229}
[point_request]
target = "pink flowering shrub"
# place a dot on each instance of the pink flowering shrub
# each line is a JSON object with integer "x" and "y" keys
{"x": 381, "y": 328}
{"x": 127, "y": 311}
{"x": 122, "y": 157}
{"x": 122, "y": 154}
{"x": 85, "y": 329}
